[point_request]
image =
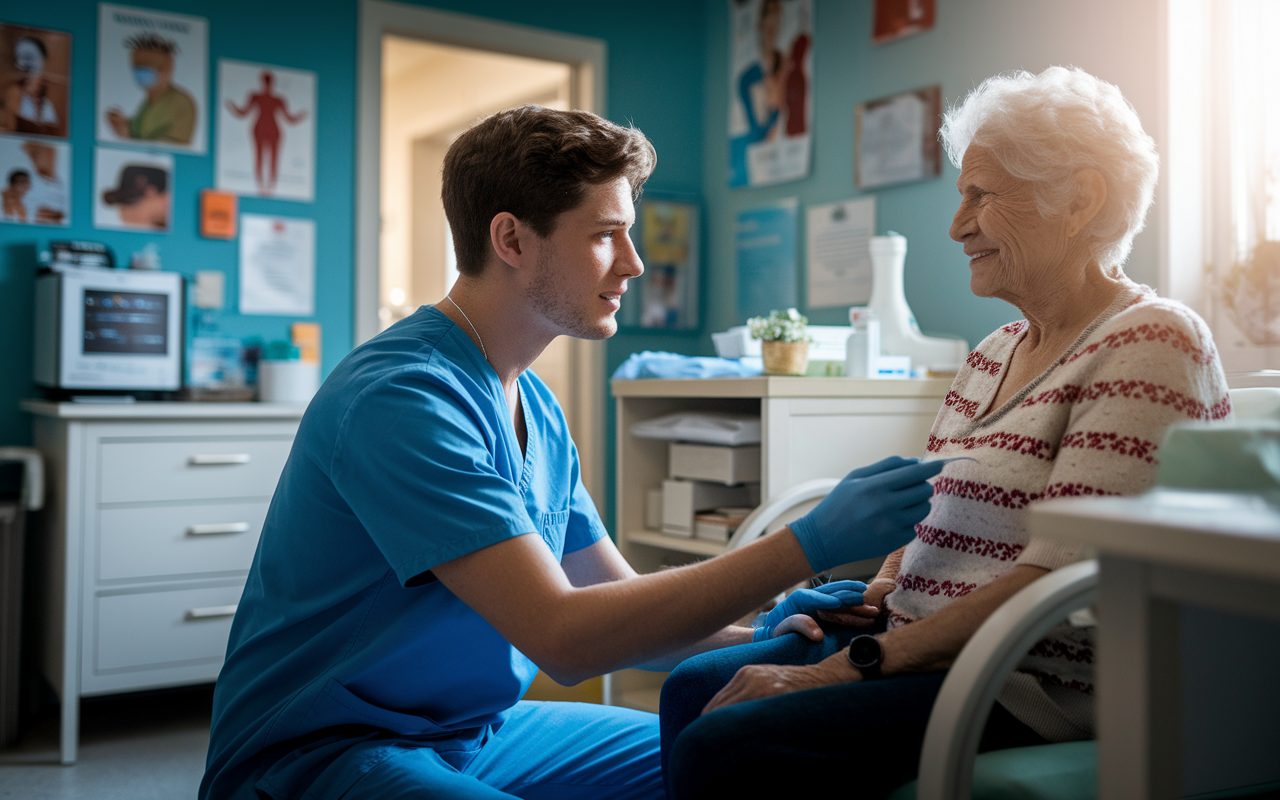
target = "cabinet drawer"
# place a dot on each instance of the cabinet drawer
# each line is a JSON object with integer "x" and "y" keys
{"x": 191, "y": 469}
{"x": 153, "y": 629}
{"x": 178, "y": 540}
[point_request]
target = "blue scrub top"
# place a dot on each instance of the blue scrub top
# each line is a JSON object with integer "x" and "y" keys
{"x": 405, "y": 459}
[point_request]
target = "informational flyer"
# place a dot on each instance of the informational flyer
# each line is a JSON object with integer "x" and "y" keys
{"x": 765, "y": 245}
{"x": 153, "y": 78}
{"x": 838, "y": 243}
{"x": 770, "y": 91}
{"x": 277, "y": 265}
{"x": 266, "y": 130}
{"x": 896, "y": 138}
{"x": 669, "y": 241}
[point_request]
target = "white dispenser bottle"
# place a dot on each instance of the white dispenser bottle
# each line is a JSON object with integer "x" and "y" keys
{"x": 863, "y": 349}
{"x": 899, "y": 333}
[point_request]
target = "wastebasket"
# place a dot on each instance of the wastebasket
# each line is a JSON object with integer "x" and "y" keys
{"x": 21, "y": 489}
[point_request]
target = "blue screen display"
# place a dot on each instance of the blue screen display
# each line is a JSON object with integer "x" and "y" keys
{"x": 126, "y": 322}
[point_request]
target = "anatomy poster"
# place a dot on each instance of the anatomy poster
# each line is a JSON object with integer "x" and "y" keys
{"x": 266, "y": 130}
{"x": 770, "y": 91}
{"x": 153, "y": 77}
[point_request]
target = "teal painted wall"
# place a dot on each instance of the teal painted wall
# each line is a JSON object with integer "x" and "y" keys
{"x": 971, "y": 40}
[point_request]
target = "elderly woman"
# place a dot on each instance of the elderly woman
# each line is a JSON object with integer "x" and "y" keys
{"x": 1056, "y": 177}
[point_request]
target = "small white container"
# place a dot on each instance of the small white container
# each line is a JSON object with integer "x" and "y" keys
{"x": 287, "y": 381}
{"x": 862, "y": 353}
{"x": 713, "y": 462}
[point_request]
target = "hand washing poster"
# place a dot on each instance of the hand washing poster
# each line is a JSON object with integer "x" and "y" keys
{"x": 770, "y": 97}
{"x": 266, "y": 130}
{"x": 153, "y": 77}
{"x": 765, "y": 245}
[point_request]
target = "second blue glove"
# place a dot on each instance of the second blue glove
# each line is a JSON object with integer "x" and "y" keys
{"x": 836, "y": 594}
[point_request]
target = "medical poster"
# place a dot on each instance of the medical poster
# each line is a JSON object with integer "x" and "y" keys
{"x": 34, "y": 176}
{"x": 667, "y": 237}
{"x": 35, "y": 80}
{"x": 765, "y": 246}
{"x": 277, "y": 265}
{"x": 266, "y": 130}
{"x": 152, "y": 78}
{"x": 770, "y": 91}
{"x": 896, "y": 138}
{"x": 132, "y": 191}
{"x": 838, "y": 244}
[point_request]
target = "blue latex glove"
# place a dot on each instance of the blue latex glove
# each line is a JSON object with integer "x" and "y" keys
{"x": 836, "y": 594}
{"x": 873, "y": 511}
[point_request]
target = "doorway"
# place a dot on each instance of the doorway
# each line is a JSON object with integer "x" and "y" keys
{"x": 425, "y": 76}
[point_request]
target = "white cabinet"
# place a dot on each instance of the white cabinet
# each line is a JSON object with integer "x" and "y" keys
{"x": 151, "y": 523}
{"x": 811, "y": 428}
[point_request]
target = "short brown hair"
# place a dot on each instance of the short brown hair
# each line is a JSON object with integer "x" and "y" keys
{"x": 535, "y": 163}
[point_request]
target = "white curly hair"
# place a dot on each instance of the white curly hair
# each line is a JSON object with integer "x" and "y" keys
{"x": 1046, "y": 128}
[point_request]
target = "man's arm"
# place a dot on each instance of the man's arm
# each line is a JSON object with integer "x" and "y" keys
{"x": 576, "y": 632}
{"x": 928, "y": 645}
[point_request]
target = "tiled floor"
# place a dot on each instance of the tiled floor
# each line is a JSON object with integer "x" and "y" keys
{"x": 136, "y": 747}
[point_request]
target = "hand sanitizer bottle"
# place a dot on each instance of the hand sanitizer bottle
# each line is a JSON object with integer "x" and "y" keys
{"x": 863, "y": 348}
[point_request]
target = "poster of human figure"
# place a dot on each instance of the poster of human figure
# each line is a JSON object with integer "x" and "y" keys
{"x": 35, "y": 80}
{"x": 770, "y": 91}
{"x": 34, "y": 176}
{"x": 152, "y": 78}
{"x": 132, "y": 190}
{"x": 266, "y": 130}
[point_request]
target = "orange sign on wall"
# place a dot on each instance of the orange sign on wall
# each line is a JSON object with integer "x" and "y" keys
{"x": 217, "y": 214}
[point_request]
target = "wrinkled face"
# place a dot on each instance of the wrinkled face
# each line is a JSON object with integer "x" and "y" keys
{"x": 581, "y": 269}
{"x": 27, "y": 57}
{"x": 1013, "y": 252}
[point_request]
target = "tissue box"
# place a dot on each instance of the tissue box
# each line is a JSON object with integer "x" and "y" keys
{"x": 710, "y": 462}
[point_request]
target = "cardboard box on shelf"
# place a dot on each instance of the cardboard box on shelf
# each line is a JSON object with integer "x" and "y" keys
{"x": 713, "y": 462}
{"x": 681, "y": 500}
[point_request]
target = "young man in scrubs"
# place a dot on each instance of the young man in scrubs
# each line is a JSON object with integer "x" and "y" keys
{"x": 430, "y": 544}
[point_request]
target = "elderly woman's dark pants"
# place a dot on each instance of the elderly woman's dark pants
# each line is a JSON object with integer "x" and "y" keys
{"x": 861, "y": 739}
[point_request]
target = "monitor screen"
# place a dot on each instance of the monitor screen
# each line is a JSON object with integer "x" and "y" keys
{"x": 126, "y": 322}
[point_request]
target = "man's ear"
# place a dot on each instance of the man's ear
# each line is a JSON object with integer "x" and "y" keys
{"x": 507, "y": 235}
{"x": 1091, "y": 194}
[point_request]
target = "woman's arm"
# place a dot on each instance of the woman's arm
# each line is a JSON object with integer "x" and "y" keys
{"x": 929, "y": 645}
{"x": 867, "y": 614}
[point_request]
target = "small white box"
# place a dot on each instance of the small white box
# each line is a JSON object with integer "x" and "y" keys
{"x": 719, "y": 525}
{"x": 712, "y": 462}
{"x": 681, "y": 500}
{"x": 653, "y": 509}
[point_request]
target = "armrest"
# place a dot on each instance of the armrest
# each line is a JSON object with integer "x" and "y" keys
{"x": 786, "y": 504}
{"x": 979, "y": 672}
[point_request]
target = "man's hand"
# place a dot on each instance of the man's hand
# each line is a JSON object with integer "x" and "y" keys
{"x": 757, "y": 681}
{"x": 865, "y": 615}
{"x": 118, "y": 122}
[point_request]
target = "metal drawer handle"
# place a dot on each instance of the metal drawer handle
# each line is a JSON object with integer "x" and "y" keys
{"x": 210, "y": 612}
{"x": 218, "y": 458}
{"x": 210, "y": 528}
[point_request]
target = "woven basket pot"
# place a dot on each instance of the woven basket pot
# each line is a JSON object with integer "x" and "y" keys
{"x": 785, "y": 358}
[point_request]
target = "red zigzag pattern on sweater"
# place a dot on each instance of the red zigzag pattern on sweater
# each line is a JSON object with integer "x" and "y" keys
{"x": 1122, "y": 445}
{"x": 1001, "y": 551}
{"x": 983, "y": 364}
{"x": 1136, "y": 390}
{"x": 1012, "y": 498}
{"x": 952, "y": 589}
{"x": 1025, "y": 445}
{"x": 1150, "y": 332}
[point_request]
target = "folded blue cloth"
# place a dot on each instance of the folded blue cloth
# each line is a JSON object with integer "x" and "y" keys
{"x": 652, "y": 364}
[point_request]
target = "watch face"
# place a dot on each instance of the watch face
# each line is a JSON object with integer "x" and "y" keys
{"x": 864, "y": 651}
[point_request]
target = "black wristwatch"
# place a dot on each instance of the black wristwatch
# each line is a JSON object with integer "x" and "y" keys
{"x": 866, "y": 654}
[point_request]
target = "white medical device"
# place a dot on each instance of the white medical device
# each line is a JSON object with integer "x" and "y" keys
{"x": 108, "y": 329}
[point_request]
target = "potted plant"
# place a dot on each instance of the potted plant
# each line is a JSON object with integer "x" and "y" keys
{"x": 784, "y": 337}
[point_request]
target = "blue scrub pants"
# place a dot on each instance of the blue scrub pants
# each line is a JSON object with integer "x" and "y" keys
{"x": 856, "y": 739}
{"x": 543, "y": 750}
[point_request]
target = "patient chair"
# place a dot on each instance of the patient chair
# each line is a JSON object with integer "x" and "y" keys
{"x": 950, "y": 768}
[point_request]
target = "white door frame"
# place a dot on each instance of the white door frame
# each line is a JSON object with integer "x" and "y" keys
{"x": 587, "y": 58}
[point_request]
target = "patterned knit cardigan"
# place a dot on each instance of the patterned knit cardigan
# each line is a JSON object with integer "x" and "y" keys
{"x": 1089, "y": 425}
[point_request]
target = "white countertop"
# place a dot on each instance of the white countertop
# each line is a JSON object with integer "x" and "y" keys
{"x": 777, "y": 386}
{"x": 163, "y": 410}
{"x": 1231, "y": 532}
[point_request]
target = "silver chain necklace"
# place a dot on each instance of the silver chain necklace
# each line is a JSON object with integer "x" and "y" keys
{"x": 483, "y": 352}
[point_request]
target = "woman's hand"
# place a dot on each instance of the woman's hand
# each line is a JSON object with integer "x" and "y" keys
{"x": 865, "y": 615}
{"x": 802, "y": 624}
{"x": 767, "y": 680}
